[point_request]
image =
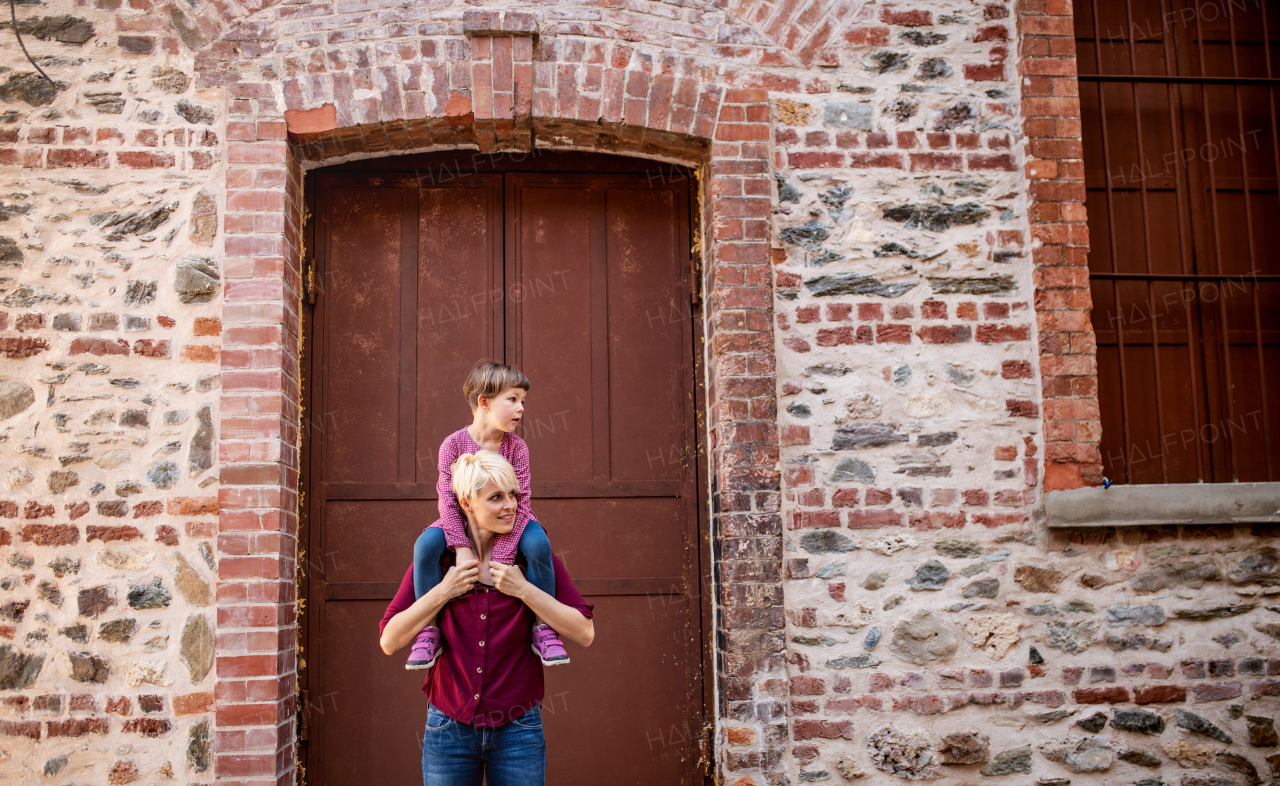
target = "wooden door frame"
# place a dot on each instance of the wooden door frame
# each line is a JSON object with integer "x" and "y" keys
{"x": 310, "y": 636}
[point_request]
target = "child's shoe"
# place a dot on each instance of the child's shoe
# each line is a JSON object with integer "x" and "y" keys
{"x": 426, "y": 648}
{"x": 546, "y": 642}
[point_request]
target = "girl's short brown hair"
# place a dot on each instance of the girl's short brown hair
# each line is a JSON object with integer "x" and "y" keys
{"x": 489, "y": 379}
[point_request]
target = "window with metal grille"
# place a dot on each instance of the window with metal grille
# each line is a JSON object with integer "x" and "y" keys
{"x": 1179, "y": 102}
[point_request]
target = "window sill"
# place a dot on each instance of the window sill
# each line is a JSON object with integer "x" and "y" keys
{"x": 1160, "y": 505}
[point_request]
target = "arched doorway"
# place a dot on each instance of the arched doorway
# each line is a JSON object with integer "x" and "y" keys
{"x": 579, "y": 269}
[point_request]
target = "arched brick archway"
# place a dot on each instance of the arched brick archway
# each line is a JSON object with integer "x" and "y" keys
{"x": 614, "y": 99}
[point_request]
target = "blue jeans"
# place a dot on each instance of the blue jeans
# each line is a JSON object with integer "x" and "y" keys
{"x": 455, "y": 754}
{"x": 534, "y": 547}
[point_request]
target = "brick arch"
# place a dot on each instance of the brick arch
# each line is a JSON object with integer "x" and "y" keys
{"x": 497, "y": 98}
{"x": 494, "y": 100}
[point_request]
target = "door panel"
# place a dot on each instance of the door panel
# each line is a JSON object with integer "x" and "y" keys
{"x": 582, "y": 280}
{"x": 365, "y": 538}
{"x": 549, "y": 231}
{"x": 367, "y": 736}
{"x": 361, "y": 389}
{"x": 642, "y": 740}
{"x": 601, "y": 537}
{"x": 644, "y": 255}
{"x": 459, "y": 305}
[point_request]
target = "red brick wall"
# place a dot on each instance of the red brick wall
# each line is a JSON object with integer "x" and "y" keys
{"x": 1055, "y": 173}
{"x": 257, "y": 660}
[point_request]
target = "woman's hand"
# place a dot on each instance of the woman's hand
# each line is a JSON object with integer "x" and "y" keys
{"x": 509, "y": 580}
{"x": 405, "y": 626}
{"x": 567, "y": 621}
{"x": 459, "y": 579}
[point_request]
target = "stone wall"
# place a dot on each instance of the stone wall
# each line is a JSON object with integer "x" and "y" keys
{"x": 1122, "y": 657}
{"x": 935, "y": 364}
{"x": 110, "y": 306}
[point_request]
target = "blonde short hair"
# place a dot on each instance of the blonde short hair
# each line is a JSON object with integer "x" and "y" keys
{"x": 473, "y": 470}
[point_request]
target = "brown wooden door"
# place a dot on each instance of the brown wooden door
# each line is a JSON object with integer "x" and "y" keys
{"x": 582, "y": 279}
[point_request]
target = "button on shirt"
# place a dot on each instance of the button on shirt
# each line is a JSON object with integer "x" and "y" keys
{"x": 488, "y": 673}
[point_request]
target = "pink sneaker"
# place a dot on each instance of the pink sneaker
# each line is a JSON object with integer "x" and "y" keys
{"x": 426, "y": 648}
{"x": 546, "y": 642}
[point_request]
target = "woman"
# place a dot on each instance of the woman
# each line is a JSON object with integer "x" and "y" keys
{"x": 486, "y": 689}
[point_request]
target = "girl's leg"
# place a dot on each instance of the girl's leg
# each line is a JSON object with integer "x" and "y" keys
{"x": 451, "y": 752}
{"x": 427, "y": 552}
{"x": 536, "y": 548}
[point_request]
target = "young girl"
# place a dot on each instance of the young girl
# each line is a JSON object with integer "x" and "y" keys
{"x": 496, "y": 394}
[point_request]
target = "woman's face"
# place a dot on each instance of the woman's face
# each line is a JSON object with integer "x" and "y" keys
{"x": 494, "y": 508}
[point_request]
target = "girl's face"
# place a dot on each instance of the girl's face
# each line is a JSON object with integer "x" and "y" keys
{"x": 493, "y": 508}
{"x": 506, "y": 409}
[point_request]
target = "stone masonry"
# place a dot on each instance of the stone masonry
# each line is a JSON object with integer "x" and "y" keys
{"x": 111, "y": 323}
{"x": 899, "y": 367}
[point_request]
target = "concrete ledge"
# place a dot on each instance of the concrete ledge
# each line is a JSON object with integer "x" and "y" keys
{"x": 1137, "y": 506}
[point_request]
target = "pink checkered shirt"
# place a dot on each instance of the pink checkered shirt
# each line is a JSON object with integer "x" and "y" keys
{"x": 453, "y": 521}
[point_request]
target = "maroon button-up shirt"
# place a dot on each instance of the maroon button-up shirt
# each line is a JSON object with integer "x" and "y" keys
{"x": 488, "y": 673}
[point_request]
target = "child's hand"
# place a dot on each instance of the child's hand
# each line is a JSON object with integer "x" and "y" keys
{"x": 508, "y": 579}
{"x": 460, "y": 578}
